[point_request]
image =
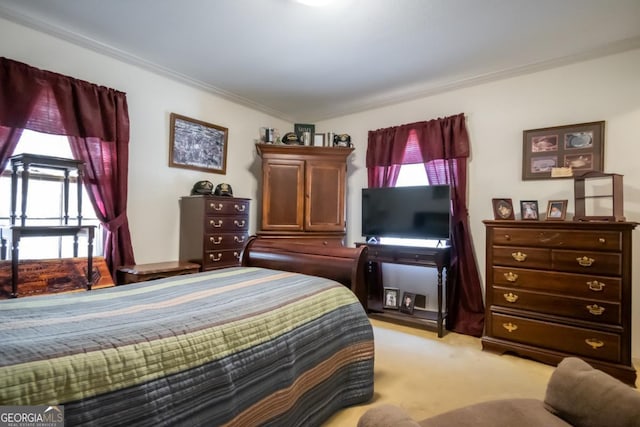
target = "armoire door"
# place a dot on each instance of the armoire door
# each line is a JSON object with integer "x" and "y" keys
{"x": 283, "y": 195}
{"x": 325, "y": 195}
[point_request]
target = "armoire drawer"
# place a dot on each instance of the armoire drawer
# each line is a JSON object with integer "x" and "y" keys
{"x": 569, "y": 284}
{"x": 578, "y": 341}
{"x": 575, "y": 239}
{"x": 576, "y": 308}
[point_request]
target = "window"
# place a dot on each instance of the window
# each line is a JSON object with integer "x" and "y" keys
{"x": 45, "y": 202}
{"x": 411, "y": 174}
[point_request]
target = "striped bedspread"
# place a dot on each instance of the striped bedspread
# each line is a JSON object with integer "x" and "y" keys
{"x": 241, "y": 347}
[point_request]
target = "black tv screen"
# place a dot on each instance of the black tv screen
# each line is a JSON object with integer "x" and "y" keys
{"x": 418, "y": 212}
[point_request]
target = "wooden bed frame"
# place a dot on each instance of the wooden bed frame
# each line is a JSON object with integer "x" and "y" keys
{"x": 342, "y": 264}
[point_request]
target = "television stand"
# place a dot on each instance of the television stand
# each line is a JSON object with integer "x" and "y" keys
{"x": 438, "y": 257}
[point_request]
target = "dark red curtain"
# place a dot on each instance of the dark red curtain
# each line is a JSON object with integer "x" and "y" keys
{"x": 443, "y": 146}
{"x": 96, "y": 120}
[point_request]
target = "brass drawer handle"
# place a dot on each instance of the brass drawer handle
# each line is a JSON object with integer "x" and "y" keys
{"x": 585, "y": 261}
{"x": 595, "y": 309}
{"x": 519, "y": 256}
{"x": 594, "y": 343}
{"x": 238, "y": 239}
{"x": 602, "y": 240}
{"x": 215, "y": 241}
{"x": 214, "y": 258}
{"x": 511, "y": 277}
{"x": 507, "y": 237}
{"x": 239, "y": 208}
{"x": 596, "y": 286}
{"x": 214, "y": 224}
{"x": 236, "y": 254}
{"x": 510, "y": 326}
{"x": 511, "y": 297}
{"x": 239, "y": 223}
{"x": 217, "y": 207}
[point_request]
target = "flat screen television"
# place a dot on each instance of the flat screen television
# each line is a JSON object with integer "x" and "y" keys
{"x": 418, "y": 212}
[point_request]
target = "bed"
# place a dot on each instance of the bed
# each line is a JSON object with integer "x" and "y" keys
{"x": 269, "y": 343}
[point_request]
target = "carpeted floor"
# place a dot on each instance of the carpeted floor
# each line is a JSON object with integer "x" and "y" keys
{"x": 428, "y": 375}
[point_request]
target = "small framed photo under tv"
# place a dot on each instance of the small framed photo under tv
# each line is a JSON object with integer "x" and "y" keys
{"x": 414, "y": 212}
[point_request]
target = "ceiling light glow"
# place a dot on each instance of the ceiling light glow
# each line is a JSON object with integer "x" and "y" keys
{"x": 315, "y": 3}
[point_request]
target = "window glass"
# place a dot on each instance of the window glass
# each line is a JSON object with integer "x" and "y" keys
{"x": 45, "y": 201}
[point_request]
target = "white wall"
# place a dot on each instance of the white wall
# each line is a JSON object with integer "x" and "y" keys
{"x": 154, "y": 187}
{"x": 603, "y": 89}
{"x": 607, "y": 89}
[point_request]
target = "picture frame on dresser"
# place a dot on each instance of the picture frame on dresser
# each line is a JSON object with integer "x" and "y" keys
{"x": 197, "y": 145}
{"x": 503, "y": 209}
{"x": 408, "y": 302}
{"x": 391, "y": 298}
{"x": 557, "y": 210}
{"x": 529, "y": 210}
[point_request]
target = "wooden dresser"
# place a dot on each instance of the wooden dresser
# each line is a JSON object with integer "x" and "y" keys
{"x": 558, "y": 289}
{"x": 213, "y": 230}
{"x": 304, "y": 193}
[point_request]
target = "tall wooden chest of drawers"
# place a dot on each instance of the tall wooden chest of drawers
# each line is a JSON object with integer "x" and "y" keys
{"x": 558, "y": 289}
{"x": 213, "y": 230}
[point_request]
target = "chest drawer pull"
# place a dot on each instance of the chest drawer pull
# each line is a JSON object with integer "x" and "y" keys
{"x": 519, "y": 256}
{"x": 212, "y": 257}
{"x": 585, "y": 261}
{"x": 511, "y": 297}
{"x": 596, "y": 286}
{"x": 510, "y": 326}
{"x": 239, "y": 208}
{"x": 507, "y": 237}
{"x": 214, "y": 224}
{"x": 595, "y": 309}
{"x": 215, "y": 207}
{"x": 602, "y": 240}
{"x": 236, "y": 254}
{"x": 238, "y": 239}
{"x": 511, "y": 277}
{"x": 594, "y": 343}
{"x": 239, "y": 223}
{"x": 215, "y": 241}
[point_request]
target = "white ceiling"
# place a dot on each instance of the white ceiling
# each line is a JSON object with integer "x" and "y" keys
{"x": 307, "y": 64}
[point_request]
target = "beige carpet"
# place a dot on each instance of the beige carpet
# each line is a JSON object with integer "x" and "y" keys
{"x": 428, "y": 375}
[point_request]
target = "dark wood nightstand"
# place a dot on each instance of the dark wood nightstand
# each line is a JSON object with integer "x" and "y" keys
{"x": 143, "y": 272}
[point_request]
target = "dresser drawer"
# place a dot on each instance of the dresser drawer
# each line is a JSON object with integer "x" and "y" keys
{"x": 578, "y": 341}
{"x": 588, "y": 262}
{"x": 585, "y": 309}
{"x": 226, "y": 207}
{"x": 216, "y": 224}
{"x": 220, "y": 259}
{"x": 570, "y": 284}
{"x": 213, "y": 242}
{"x": 601, "y": 240}
{"x": 523, "y": 257}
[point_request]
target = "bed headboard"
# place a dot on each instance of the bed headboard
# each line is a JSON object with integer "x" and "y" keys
{"x": 342, "y": 264}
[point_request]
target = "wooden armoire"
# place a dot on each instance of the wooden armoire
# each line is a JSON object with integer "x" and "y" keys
{"x": 303, "y": 193}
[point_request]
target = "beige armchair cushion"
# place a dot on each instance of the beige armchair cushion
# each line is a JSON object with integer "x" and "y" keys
{"x": 587, "y": 397}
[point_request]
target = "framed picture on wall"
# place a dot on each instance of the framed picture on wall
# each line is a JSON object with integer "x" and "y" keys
{"x": 197, "y": 145}
{"x": 563, "y": 151}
